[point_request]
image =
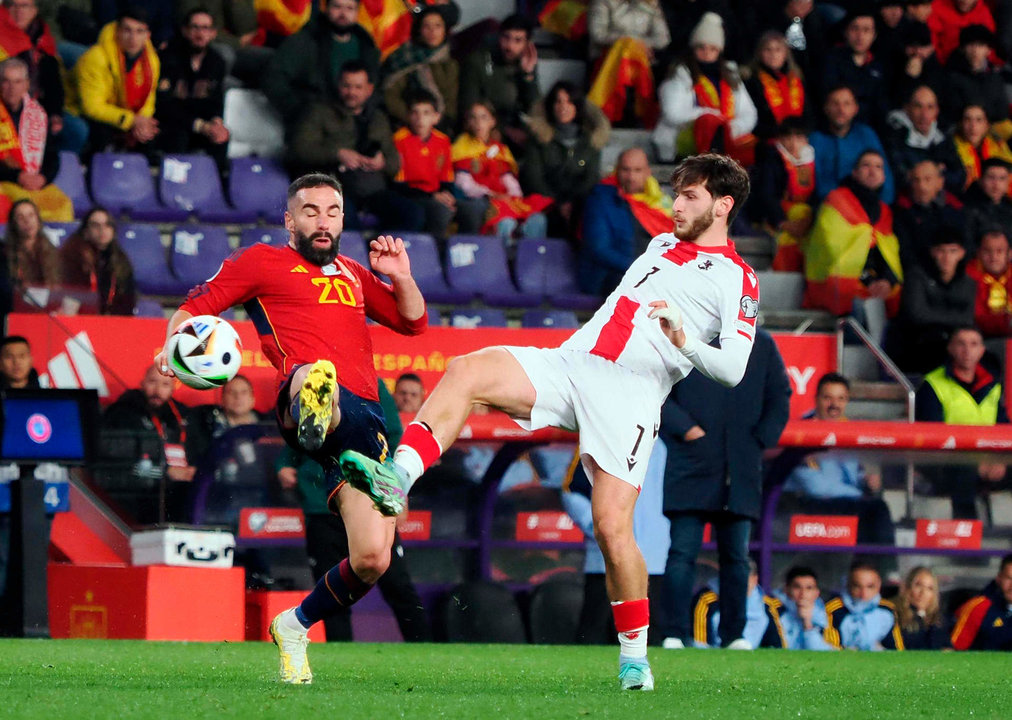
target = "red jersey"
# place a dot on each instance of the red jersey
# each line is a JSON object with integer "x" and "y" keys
{"x": 425, "y": 165}
{"x": 304, "y": 312}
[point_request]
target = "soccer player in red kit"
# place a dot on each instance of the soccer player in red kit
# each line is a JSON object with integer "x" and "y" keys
{"x": 609, "y": 381}
{"x": 309, "y": 305}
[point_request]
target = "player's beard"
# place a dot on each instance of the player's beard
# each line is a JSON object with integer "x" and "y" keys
{"x": 698, "y": 226}
{"x": 317, "y": 256}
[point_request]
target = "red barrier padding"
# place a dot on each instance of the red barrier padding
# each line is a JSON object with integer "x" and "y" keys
{"x": 262, "y": 606}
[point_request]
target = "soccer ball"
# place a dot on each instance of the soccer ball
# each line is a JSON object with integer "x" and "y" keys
{"x": 204, "y": 352}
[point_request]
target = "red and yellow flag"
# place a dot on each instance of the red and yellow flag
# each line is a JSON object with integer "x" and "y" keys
{"x": 626, "y": 65}
{"x": 282, "y": 17}
{"x": 567, "y": 18}
{"x": 388, "y": 21}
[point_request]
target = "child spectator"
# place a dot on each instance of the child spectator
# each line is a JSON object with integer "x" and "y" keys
{"x": 485, "y": 175}
{"x": 785, "y": 181}
{"x": 93, "y": 258}
{"x": 992, "y": 310}
{"x": 975, "y": 144}
{"x": 426, "y": 174}
{"x": 776, "y": 86}
{"x": 704, "y": 104}
{"x": 922, "y": 623}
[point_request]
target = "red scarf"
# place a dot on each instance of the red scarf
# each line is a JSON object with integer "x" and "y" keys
{"x": 14, "y": 40}
{"x": 137, "y": 83}
{"x": 24, "y": 146}
{"x": 708, "y": 97}
{"x": 785, "y": 95}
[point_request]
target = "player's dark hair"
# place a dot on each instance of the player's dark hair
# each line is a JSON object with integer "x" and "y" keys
{"x": 13, "y": 340}
{"x": 516, "y": 22}
{"x": 832, "y": 378}
{"x": 800, "y": 571}
{"x": 721, "y": 175}
{"x": 314, "y": 180}
{"x": 412, "y": 377}
{"x": 421, "y": 96}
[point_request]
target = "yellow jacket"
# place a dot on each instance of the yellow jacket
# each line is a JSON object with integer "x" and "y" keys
{"x": 97, "y": 90}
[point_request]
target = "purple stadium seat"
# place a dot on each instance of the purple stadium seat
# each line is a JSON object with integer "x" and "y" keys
{"x": 435, "y": 317}
{"x": 143, "y": 245}
{"x": 260, "y": 186}
{"x": 121, "y": 182}
{"x": 59, "y": 232}
{"x": 548, "y": 267}
{"x": 477, "y": 263}
{"x": 428, "y": 272}
{"x": 70, "y": 179}
{"x": 354, "y": 246}
{"x": 276, "y": 236}
{"x": 191, "y": 183}
{"x": 468, "y": 318}
{"x": 549, "y": 319}
{"x": 149, "y": 308}
{"x": 196, "y": 252}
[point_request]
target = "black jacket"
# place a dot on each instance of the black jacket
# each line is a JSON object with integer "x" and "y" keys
{"x": 983, "y": 215}
{"x": 739, "y": 423}
{"x": 915, "y": 226}
{"x": 185, "y": 94}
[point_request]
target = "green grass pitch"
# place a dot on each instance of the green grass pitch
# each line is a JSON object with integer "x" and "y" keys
{"x": 132, "y": 679}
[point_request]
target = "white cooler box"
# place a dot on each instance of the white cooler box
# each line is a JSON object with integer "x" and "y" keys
{"x": 183, "y": 546}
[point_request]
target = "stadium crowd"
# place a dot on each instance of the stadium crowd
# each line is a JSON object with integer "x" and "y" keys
{"x": 876, "y": 135}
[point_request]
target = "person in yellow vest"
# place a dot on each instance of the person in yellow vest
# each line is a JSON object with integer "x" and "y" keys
{"x": 115, "y": 84}
{"x": 975, "y": 143}
{"x": 963, "y": 392}
{"x": 28, "y": 151}
{"x": 853, "y": 252}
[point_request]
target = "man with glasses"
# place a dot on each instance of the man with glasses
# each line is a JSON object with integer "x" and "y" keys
{"x": 191, "y": 96}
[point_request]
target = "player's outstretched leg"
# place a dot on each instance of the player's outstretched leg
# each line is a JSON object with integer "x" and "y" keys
{"x": 386, "y": 484}
{"x": 316, "y": 404}
{"x": 291, "y": 638}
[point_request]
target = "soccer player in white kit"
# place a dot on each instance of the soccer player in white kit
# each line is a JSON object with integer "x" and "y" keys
{"x": 609, "y": 380}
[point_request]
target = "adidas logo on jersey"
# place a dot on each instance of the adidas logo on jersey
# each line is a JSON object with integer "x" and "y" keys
{"x": 300, "y": 269}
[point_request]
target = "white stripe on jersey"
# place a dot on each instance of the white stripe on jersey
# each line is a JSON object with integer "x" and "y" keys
{"x": 717, "y": 292}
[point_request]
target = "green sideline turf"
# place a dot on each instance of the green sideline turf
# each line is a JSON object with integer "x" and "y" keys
{"x": 134, "y": 679}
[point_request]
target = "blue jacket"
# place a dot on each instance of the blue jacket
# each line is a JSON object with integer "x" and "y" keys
{"x": 609, "y": 240}
{"x": 762, "y": 621}
{"x": 863, "y": 625}
{"x": 795, "y": 635}
{"x": 827, "y": 476}
{"x": 835, "y": 158}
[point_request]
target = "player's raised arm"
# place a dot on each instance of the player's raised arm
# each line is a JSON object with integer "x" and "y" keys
{"x": 387, "y": 255}
{"x": 161, "y": 361}
{"x": 725, "y": 364}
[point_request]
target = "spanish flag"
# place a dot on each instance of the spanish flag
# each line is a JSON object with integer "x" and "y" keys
{"x": 567, "y": 18}
{"x": 626, "y": 65}
{"x": 651, "y": 208}
{"x": 388, "y": 21}
{"x": 282, "y": 17}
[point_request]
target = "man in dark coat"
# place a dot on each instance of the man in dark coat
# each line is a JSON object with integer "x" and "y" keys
{"x": 715, "y": 437}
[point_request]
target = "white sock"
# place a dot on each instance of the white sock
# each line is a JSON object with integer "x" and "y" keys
{"x": 408, "y": 459}
{"x": 634, "y": 642}
{"x": 291, "y": 622}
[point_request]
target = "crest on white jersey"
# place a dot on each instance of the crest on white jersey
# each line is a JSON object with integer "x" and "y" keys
{"x": 749, "y": 306}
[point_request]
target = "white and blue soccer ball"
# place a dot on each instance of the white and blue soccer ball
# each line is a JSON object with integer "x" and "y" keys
{"x": 204, "y": 352}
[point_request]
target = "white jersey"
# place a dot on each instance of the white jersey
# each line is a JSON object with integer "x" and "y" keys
{"x": 716, "y": 291}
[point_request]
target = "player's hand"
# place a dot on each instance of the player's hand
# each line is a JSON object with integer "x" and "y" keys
{"x": 162, "y": 364}
{"x": 671, "y": 321}
{"x": 388, "y": 256}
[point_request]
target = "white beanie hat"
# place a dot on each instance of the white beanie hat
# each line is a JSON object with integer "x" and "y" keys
{"x": 709, "y": 31}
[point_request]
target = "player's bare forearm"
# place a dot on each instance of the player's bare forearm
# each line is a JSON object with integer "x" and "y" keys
{"x": 410, "y": 303}
{"x": 388, "y": 256}
{"x": 177, "y": 319}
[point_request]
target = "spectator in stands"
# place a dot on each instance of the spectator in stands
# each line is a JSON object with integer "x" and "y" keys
{"x": 988, "y": 205}
{"x": 859, "y": 619}
{"x": 973, "y": 80}
{"x": 918, "y": 65}
{"x": 426, "y": 174}
{"x": 93, "y": 258}
{"x": 762, "y": 627}
{"x": 949, "y": 18}
{"x": 776, "y": 86}
{"x": 704, "y": 103}
{"x": 802, "y": 612}
{"x": 31, "y": 258}
{"x": 804, "y": 30}
{"x": 423, "y": 63}
{"x": 913, "y": 135}
{"x": 963, "y": 391}
{"x": 843, "y": 140}
{"x": 852, "y": 252}
{"x": 389, "y": 24}
{"x": 975, "y": 143}
{"x": 990, "y": 270}
{"x": 207, "y": 423}
{"x": 151, "y": 408}
{"x": 506, "y": 76}
{"x": 191, "y": 92}
{"x": 889, "y": 27}
{"x": 489, "y": 196}
{"x": 29, "y": 160}
{"x": 624, "y": 212}
{"x": 350, "y": 137}
{"x": 116, "y": 83}
{"x": 936, "y": 300}
{"x": 625, "y": 36}
{"x": 782, "y": 193}
{"x": 852, "y": 64}
{"x": 715, "y": 437}
{"x": 564, "y": 160}
{"x": 838, "y": 484}
{"x": 306, "y": 68}
{"x": 918, "y": 611}
{"x": 985, "y": 621}
{"x": 919, "y": 215}
{"x": 409, "y": 393}
{"x": 16, "y": 365}
{"x": 236, "y": 24}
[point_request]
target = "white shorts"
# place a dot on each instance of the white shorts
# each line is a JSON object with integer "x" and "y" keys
{"x": 616, "y": 412}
